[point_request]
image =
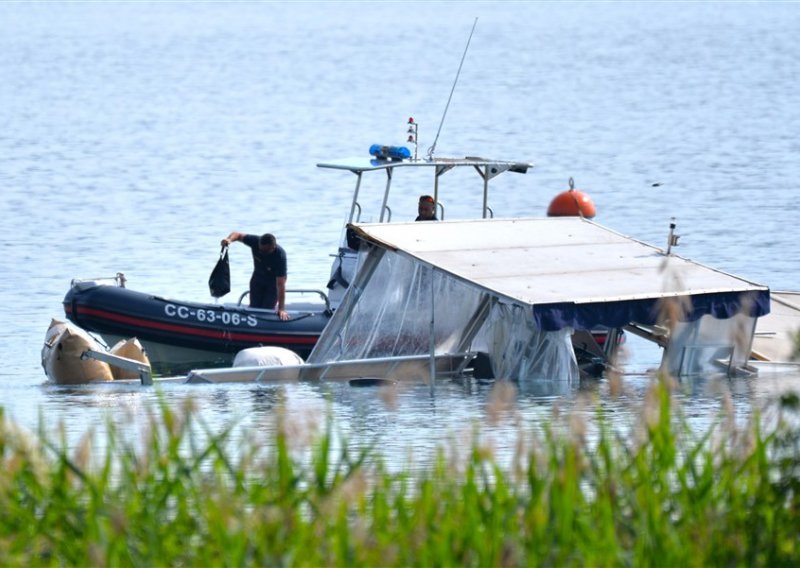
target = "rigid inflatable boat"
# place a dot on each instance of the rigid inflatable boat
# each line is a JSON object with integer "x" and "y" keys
{"x": 179, "y": 335}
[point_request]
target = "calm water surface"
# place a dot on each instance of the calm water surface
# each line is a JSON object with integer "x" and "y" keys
{"x": 134, "y": 136}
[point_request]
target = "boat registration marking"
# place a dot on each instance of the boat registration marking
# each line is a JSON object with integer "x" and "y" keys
{"x": 209, "y": 316}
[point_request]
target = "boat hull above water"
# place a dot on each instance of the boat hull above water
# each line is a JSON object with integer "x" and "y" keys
{"x": 179, "y": 335}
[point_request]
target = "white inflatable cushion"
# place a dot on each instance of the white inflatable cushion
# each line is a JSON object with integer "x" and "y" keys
{"x": 267, "y": 356}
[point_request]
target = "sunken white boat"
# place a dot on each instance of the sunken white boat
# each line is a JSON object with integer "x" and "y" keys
{"x": 430, "y": 297}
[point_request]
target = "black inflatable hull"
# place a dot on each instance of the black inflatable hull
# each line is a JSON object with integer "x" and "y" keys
{"x": 181, "y": 335}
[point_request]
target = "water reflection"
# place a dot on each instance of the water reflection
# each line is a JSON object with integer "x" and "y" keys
{"x": 408, "y": 423}
{"x": 266, "y": 399}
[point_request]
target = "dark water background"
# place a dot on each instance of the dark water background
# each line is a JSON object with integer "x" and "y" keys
{"x": 133, "y": 136}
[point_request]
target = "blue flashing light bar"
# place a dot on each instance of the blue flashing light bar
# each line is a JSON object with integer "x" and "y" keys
{"x": 390, "y": 152}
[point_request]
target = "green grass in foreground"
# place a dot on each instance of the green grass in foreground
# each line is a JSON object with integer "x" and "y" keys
{"x": 662, "y": 497}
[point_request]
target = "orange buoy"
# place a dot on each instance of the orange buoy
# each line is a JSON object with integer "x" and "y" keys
{"x": 571, "y": 203}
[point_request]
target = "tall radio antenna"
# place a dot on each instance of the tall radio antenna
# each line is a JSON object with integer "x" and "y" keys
{"x": 432, "y": 149}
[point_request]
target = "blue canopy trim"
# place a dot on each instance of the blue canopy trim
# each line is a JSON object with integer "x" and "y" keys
{"x": 721, "y": 305}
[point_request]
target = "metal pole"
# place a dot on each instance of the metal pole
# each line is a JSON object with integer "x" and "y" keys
{"x": 485, "y": 190}
{"x": 432, "y": 338}
{"x": 143, "y": 369}
{"x": 432, "y": 149}
{"x": 355, "y": 198}
{"x": 386, "y": 192}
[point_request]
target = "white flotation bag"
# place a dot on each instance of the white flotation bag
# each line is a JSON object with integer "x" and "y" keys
{"x": 64, "y": 344}
{"x": 130, "y": 349}
{"x": 266, "y": 356}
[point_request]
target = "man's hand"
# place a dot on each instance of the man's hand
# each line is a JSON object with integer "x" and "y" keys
{"x": 283, "y": 315}
{"x": 234, "y": 236}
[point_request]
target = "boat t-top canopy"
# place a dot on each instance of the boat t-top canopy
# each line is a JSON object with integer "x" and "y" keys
{"x": 486, "y": 168}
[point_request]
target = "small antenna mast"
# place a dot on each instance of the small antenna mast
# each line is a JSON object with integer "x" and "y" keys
{"x": 432, "y": 149}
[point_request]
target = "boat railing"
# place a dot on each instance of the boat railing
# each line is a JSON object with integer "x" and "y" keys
{"x": 85, "y": 283}
{"x": 395, "y": 368}
{"x": 143, "y": 369}
{"x": 399, "y": 366}
{"x": 320, "y": 293}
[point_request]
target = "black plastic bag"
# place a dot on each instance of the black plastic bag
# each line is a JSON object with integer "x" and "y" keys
{"x": 219, "y": 283}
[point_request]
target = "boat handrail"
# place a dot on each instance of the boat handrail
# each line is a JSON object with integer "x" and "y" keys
{"x": 322, "y": 294}
{"x": 143, "y": 369}
{"x": 446, "y": 365}
{"x": 85, "y": 283}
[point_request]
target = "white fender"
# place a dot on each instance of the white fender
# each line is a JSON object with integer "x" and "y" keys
{"x": 266, "y": 356}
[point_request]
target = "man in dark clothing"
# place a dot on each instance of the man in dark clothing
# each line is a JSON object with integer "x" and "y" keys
{"x": 268, "y": 283}
{"x": 426, "y": 209}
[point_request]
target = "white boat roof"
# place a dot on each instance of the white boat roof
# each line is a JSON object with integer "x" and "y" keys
{"x": 561, "y": 260}
{"x": 366, "y": 164}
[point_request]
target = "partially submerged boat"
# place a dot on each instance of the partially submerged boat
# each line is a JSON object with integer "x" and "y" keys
{"x": 429, "y": 299}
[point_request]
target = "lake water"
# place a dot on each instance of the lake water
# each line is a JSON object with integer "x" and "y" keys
{"x": 133, "y": 137}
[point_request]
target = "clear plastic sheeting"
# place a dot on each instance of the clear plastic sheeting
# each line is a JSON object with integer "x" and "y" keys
{"x": 710, "y": 345}
{"x": 398, "y": 308}
{"x": 521, "y": 352}
{"x": 394, "y": 313}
